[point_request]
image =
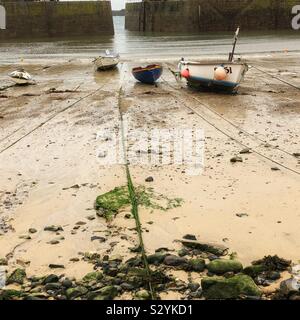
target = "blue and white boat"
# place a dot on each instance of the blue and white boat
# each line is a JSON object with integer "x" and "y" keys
{"x": 214, "y": 75}
{"x": 149, "y": 74}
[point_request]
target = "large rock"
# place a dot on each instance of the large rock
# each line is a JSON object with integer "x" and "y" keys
{"x": 93, "y": 276}
{"x": 289, "y": 287}
{"x": 221, "y": 266}
{"x": 174, "y": 261}
{"x": 217, "y": 249}
{"x": 51, "y": 278}
{"x": 143, "y": 295}
{"x": 73, "y": 293}
{"x": 156, "y": 258}
{"x": 229, "y": 288}
{"x": 17, "y": 276}
{"x": 196, "y": 265}
{"x": 254, "y": 270}
{"x": 107, "y": 293}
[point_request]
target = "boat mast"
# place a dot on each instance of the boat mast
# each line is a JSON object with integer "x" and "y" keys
{"x": 231, "y": 54}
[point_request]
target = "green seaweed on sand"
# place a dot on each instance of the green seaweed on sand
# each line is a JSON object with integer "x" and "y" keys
{"x": 110, "y": 203}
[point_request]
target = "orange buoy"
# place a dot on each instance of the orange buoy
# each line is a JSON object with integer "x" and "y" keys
{"x": 185, "y": 73}
{"x": 220, "y": 73}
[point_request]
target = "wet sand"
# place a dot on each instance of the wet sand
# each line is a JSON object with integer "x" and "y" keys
{"x": 53, "y": 176}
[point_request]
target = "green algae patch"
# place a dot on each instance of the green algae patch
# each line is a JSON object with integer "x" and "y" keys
{"x": 110, "y": 203}
{"x": 220, "y": 288}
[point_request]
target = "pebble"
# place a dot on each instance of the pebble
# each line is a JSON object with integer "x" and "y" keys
{"x": 236, "y": 159}
{"x": 56, "y": 266}
{"x": 32, "y": 230}
{"x": 149, "y": 179}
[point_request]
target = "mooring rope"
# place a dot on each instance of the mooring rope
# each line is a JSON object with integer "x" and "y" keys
{"x": 254, "y": 137}
{"x": 231, "y": 137}
{"x": 133, "y": 198}
{"x": 53, "y": 116}
{"x": 275, "y": 77}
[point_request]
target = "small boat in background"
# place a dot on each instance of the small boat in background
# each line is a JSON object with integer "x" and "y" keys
{"x": 149, "y": 74}
{"x": 215, "y": 75}
{"x": 21, "y": 77}
{"x": 108, "y": 60}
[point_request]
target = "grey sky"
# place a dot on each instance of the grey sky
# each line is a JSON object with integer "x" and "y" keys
{"x": 118, "y": 4}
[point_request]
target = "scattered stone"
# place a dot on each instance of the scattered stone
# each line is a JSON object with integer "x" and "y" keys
{"x": 149, "y": 179}
{"x": 17, "y": 276}
{"x": 53, "y": 228}
{"x": 107, "y": 293}
{"x": 53, "y": 242}
{"x": 56, "y": 266}
{"x": 91, "y": 217}
{"x": 76, "y": 292}
{"x": 197, "y": 265}
{"x": 128, "y": 216}
{"x": 193, "y": 286}
{"x": 296, "y": 154}
{"x": 25, "y": 237}
{"x": 67, "y": 283}
{"x": 222, "y": 266}
{"x": 183, "y": 252}
{"x": 231, "y": 288}
{"x": 217, "y": 249}
{"x": 116, "y": 257}
{"x": 127, "y": 286}
{"x": 32, "y": 230}
{"x": 245, "y": 151}
{"x": 93, "y": 276}
{"x": 53, "y": 286}
{"x": 80, "y": 223}
{"x": 74, "y": 259}
{"x": 190, "y": 237}
{"x": 242, "y": 215}
{"x": 273, "y": 275}
{"x": 236, "y": 159}
{"x": 275, "y": 169}
{"x": 156, "y": 258}
{"x": 254, "y": 270}
{"x": 174, "y": 261}
{"x": 143, "y": 295}
{"x": 51, "y": 278}
{"x": 289, "y": 287}
{"x": 100, "y": 239}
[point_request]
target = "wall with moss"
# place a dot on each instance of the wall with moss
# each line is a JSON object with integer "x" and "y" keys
{"x": 208, "y": 15}
{"x": 57, "y": 19}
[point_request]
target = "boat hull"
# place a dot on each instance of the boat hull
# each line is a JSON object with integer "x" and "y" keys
{"x": 202, "y": 75}
{"x": 149, "y": 74}
{"x": 106, "y": 63}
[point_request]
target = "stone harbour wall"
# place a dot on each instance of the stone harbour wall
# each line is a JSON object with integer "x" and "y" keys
{"x": 208, "y": 15}
{"x": 26, "y": 19}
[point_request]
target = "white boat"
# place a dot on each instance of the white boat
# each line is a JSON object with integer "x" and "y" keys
{"x": 21, "y": 77}
{"x": 215, "y": 75}
{"x": 109, "y": 60}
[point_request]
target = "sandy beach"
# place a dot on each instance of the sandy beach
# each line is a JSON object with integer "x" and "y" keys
{"x": 50, "y": 173}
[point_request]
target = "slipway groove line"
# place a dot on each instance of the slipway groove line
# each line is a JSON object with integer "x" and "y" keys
{"x": 53, "y": 116}
{"x": 254, "y": 137}
{"x": 133, "y": 197}
{"x": 228, "y": 135}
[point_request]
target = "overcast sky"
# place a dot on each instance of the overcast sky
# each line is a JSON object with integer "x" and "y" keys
{"x": 118, "y": 4}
